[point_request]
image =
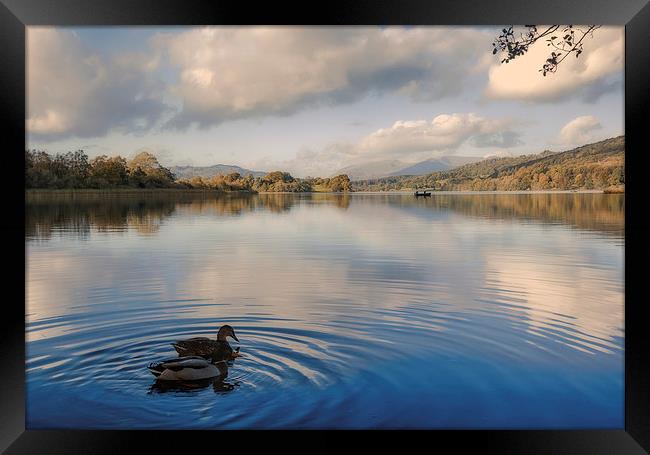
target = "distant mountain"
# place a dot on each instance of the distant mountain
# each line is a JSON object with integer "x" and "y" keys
{"x": 387, "y": 168}
{"x": 593, "y": 166}
{"x": 186, "y": 172}
{"x": 436, "y": 164}
{"x": 371, "y": 170}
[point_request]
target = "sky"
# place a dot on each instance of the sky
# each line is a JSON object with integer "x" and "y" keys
{"x": 313, "y": 100}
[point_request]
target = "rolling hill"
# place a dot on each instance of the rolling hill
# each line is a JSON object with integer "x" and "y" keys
{"x": 187, "y": 172}
{"x": 593, "y": 166}
{"x": 387, "y": 168}
{"x": 436, "y": 164}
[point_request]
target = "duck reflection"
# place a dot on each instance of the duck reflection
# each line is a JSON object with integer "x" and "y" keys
{"x": 202, "y": 363}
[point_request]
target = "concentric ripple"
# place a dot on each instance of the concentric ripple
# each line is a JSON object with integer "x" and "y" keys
{"x": 363, "y": 312}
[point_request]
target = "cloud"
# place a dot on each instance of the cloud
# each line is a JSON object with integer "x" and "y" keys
{"x": 445, "y": 133}
{"x": 228, "y": 73}
{"x": 580, "y": 130}
{"x": 316, "y": 163}
{"x": 597, "y": 71}
{"x": 72, "y": 91}
{"x": 406, "y": 140}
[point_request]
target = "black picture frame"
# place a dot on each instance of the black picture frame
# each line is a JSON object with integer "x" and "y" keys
{"x": 15, "y": 15}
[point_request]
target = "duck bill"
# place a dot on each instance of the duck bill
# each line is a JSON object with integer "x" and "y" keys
{"x": 235, "y": 337}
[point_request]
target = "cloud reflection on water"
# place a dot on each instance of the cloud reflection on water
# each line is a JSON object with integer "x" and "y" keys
{"x": 328, "y": 254}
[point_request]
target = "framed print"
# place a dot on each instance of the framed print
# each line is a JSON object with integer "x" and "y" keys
{"x": 391, "y": 216}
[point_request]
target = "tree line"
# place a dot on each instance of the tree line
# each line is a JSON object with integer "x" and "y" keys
{"x": 75, "y": 170}
{"x": 594, "y": 166}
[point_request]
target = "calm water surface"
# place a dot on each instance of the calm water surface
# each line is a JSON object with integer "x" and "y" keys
{"x": 353, "y": 311}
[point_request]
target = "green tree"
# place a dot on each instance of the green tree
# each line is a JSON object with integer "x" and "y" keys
{"x": 340, "y": 183}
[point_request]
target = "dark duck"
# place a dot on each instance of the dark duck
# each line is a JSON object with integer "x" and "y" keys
{"x": 215, "y": 350}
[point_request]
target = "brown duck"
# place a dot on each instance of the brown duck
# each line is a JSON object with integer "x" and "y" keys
{"x": 215, "y": 350}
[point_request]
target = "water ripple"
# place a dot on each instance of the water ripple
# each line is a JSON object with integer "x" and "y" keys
{"x": 363, "y": 313}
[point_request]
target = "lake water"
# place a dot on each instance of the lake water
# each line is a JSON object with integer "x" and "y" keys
{"x": 353, "y": 311}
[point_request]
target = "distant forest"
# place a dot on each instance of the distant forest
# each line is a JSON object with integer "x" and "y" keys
{"x": 74, "y": 170}
{"x": 47, "y": 214}
{"x": 593, "y": 166}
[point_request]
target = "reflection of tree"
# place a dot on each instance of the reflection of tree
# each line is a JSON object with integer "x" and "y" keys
{"x": 341, "y": 201}
{"x": 277, "y": 203}
{"x": 238, "y": 204}
{"x": 601, "y": 212}
{"x": 44, "y": 214}
{"x": 235, "y": 204}
{"x": 146, "y": 213}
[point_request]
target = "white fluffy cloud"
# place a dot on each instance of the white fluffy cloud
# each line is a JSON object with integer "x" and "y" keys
{"x": 445, "y": 133}
{"x": 72, "y": 91}
{"x": 580, "y": 130}
{"x": 218, "y": 74}
{"x": 407, "y": 141}
{"x": 594, "y": 72}
{"x": 228, "y": 72}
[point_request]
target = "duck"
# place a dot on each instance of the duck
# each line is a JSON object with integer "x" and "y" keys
{"x": 215, "y": 350}
{"x": 189, "y": 368}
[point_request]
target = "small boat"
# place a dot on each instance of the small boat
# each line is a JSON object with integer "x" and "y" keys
{"x": 422, "y": 193}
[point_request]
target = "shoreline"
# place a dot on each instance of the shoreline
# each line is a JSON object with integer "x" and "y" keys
{"x": 410, "y": 192}
{"x": 193, "y": 191}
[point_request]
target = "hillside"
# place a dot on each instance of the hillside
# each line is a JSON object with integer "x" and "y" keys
{"x": 594, "y": 166}
{"x": 436, "y": 164}
{"x": 387, "y": 168}
{"x": 372, "y": 170}
{"x": 187, "y": 172}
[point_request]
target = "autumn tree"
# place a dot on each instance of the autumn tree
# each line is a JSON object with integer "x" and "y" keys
{"x": 277, "y": 176}
{"x": 340, "y": 183}
{"x": 38, "y": 169}
{"x": 68, "y": 170}
{"x": 146, "y": 171}
{"x": 145, "y": 161}
{"x": 106, "y": 172}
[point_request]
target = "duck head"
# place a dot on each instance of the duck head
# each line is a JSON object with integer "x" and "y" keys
{"x": 226, "y": 331}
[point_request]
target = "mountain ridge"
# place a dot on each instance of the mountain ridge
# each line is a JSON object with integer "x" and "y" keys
{"x": 388, "y": 168}
{"x": 187, "y": 172}
{"x": 599, "y": 165}
{"x": 443, "y": 163}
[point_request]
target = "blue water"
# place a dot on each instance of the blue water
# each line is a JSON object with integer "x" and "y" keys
{"x": 353, "y": 311}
